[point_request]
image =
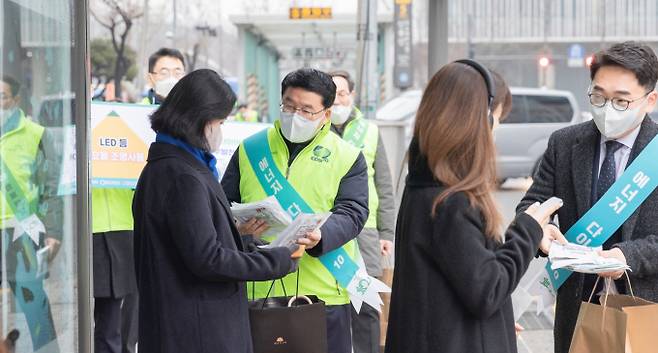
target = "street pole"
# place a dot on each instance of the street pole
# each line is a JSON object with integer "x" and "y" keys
{"x": 143, "y": 51}
{"x": 469, "y": 37}
{"x": 173, "y": 30}
{"x": 437, "y": 36}
{"x": 602, "y": 21}
{"x": 367, "y": 76}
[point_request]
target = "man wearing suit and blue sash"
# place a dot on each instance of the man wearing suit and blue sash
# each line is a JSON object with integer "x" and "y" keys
{"x": 606, "y": 168}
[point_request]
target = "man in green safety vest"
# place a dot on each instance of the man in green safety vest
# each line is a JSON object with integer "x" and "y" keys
{"x": 166, "y": 68}
{"x": 300, "y": 160}
{"x": 376, "y": 239}
{"x": 114, "y": 267}
{"x": 246, "y": 115}
{"x": 115, "y": 288}
{"x": 30, "y": 213}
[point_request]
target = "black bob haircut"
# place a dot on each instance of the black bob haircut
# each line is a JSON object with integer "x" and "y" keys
{"x": 164, "y": 52}
{"x": 312, "y": 80}
{"x": 633, "y": 56}
{"x": 14, "y": 85}
{"x": 346, "y": 75}
{"x": 198, "y": 98}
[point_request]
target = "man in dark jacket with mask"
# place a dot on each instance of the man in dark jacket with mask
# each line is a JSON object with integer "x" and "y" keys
{"x": 583, "y": 161}
{"x": 166, "y": 68}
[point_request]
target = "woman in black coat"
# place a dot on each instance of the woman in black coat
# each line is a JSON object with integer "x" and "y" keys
{"x": 190, "y": 259}
{"x": 454, "y": 273}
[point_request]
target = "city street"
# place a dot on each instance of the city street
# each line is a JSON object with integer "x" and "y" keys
{"x": 161, "y": 157}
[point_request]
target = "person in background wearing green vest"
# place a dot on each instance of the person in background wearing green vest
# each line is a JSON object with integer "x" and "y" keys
{"x": 28, "y": 197}
{"x": 376, "y": 239}
{"x": 327, "y": 173}
{"x": 166, "y": 68}
{"x": 115, "y": 288}
{"x": 115, "y": 285}
{"x": 246, "y": 115}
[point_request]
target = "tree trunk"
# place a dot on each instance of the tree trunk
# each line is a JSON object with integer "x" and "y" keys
{"x": 191, "y": 59}
{"x": 119, "y": 72}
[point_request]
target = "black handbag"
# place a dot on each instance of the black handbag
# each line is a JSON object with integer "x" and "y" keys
{"x": 289, "y": 324}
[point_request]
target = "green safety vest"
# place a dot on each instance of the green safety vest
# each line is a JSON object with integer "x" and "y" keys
{"x": 363, "y": 134}
{"x": 19, "y": 149}
{"x": 249, "y": 117}
{"x": 315, "y": 174}
{"x": 111, "y": 209}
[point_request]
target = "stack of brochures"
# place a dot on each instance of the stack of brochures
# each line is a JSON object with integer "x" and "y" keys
{"x": 583, "y": 259}
{"x": 282, "y": 228}
{"x": 268, "y": 210}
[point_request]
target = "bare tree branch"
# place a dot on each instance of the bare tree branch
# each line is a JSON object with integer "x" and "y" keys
{"x": 98, "y": 19}
{"x": 119, "y": 22}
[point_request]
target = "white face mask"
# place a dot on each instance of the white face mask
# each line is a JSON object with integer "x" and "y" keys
{"x": 162, "y": 88}
{"x": 214, "y": 137}
{"x": 298, "y": 129}
{"x": 5, "y": 114}
{"x": 612, "y": 123}
{"x": 340, "y": 114}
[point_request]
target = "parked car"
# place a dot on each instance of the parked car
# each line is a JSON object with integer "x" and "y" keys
{"x": 522, "y": 137}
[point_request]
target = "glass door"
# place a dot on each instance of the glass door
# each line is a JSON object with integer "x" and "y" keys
{"x": 43, "y": 210}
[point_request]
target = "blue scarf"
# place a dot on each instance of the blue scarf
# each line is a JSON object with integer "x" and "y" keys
{"x": 206, "y": 158}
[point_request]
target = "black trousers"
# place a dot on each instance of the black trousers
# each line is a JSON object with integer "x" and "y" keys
{"x": 339, "y": 335}
{"x": 129, "y": 322}
{"x": 107, "y": 325}
{"x": 365, "y": 330}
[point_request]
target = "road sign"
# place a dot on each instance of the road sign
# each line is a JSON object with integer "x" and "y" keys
{"x": 313, "y": 13}
{"x": 576, "y": 56}
{"x": 318, "y": 53}
{"x": 402, "y": 66}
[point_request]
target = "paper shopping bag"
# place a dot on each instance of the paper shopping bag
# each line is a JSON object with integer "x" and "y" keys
{"x": 625, "y": 324}
{"x": 599, "y": 329}
{"x": 387, "y": 278}
{"x": 641, "y": 322}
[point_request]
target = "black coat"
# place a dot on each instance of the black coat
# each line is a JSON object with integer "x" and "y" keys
{"x": 452, "y": 285}
{"x": 190, "y": 261}
{"x": 567, "y": 171}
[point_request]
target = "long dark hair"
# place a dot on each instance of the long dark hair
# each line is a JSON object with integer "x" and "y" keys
{"x": 198, "y": 98}
{"x": 454, "y": 134}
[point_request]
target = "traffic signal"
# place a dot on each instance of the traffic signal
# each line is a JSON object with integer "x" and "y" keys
{"x": 544, "y": 61}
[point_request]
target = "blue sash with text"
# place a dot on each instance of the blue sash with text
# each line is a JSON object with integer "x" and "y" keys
{"x": 613, "y": 209}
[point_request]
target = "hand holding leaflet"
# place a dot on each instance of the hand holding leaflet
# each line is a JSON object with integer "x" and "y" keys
{"x": 302, "y": 225}
{"x": 583, "y": 259}
{"x": 268, "y": 210}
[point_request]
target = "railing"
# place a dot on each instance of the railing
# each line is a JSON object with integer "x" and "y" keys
{"x": 552, "y": 20}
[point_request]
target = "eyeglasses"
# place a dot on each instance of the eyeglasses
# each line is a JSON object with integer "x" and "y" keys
{"x": 303, "y": 112}
{"x": 619, "y": 104}
{"x": 166, "y": 73}
{"x": 342, "y": 94}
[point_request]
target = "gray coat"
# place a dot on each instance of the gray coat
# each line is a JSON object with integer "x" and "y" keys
{"x": 369, "y": 238}
{"x": 566, "y": 171}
